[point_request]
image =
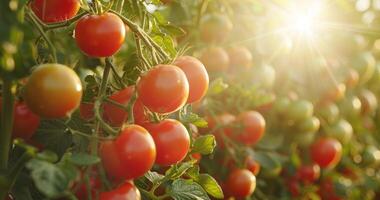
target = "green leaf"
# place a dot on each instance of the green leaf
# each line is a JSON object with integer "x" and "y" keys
{"x": 267, "y": 160}
{"x": 173, "y": 30}
{"x": 154, "y": 177}
{"x": 204, "y": 144}
{"x": 187, "y": 190}
{"x": 48, "y": 178}
{"x": 194, "y": 119}
{"x": 210, "y": 185}
{"x": 217, "y": 86}
{"x": 178, "y": 170}
{"x": 83, "y": 159}
{"x": 193, "y": 172}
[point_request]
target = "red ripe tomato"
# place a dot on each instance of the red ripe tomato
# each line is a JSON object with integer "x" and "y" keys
{"x": 94, "y": 185}
{"x": 50, "y": 11}
{"x": 100, "y": 35}
{"x": 215, "y": 28}
{"x": 253, "y": 127}
{"x": 326, "y": 152}
{"x": 240, "y": 57}
{"x": 86, "y": 111}
{"x": 25, "y": 121}
{"x": 164, "y": 89}
{"x": 252, "y": 165}
{"x": 127, "y": 191}
{"x": 225, "y": 121}
{"x": 53, "y": 91}
{"x": 172, "y": 141}
{"x": 241, "y": 183}
{"x": 309, "y": 173}
{"x": 116, "y": 116}
{"x": 293, "y": 187}
{"x": 215, "y": 59}
{"x": 131, "y": 155}
{"x": 197, "y": 76}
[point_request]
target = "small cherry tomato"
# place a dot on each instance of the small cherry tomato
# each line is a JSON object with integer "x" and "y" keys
{"x": 223, "y": 124}
{"x": 130, "y": 155}
{"x": 300, "y": 110}
{"x": 172, "y": 141}
{"x": 253, "y": 127}
{"x": 50, "y": 11}
{"x": 326, "y": 152}
{"x": 241, "y": 183}
{"x": 240, "y": 57}
{"x": 116, "y": 116}
{"x": 215, "y": 28}
{"x": 164, "y": 89}
{"x": 252, "y": 165}
{"x": 309, "y": 173}
{"x": 100, "y": 35}
{"x": 53, "y": 91}
{"x": 127, "y": 191}
{"x": 215, "y": 59}
{"x": 197, "y": 76}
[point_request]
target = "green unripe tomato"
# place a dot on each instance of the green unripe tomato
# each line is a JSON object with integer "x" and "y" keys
{"x": 350, "y": 107}
{"x": 300, "y": 110}
{"x": 310, "y": 124}
{"x": 329, "y": 113}
{"x": 341, "y": 131}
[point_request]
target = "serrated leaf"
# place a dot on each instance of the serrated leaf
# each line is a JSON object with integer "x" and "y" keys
{"x": 48, "y": 178}
{"x": 209, "y": 184}
{"x": 187, "y": 190}
{"x": 178, "y": 170}
{"x": 193, "y": 172}
{"x": 83, "y": 159}
{"x": 204, "y": 144}
{"x": 154, "y": 177}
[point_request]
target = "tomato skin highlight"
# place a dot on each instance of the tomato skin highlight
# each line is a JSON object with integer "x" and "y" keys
{"x": 53, "y": 91}
{"x": 215, "y": 59}
{"x": 50, "y": 11}
{"x": 100, "y": 35}
{"x": 130, "y": 155}
{"x": 172, "y": 141}
{"x": 164, "y": 89}
{"x": 127, "y": 191}
{"x": 197, "y": 76}
{"x": 253, "y": 127}
{"x": 326, "y": 152}
{"x": 117, "y": 116}
{"x": 241, "y": 183}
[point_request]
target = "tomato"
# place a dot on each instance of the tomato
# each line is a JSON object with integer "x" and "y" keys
{"x": 197, "y": 76}
{"x": 264, "y": 76}
{"x": 94, "y": 185}
{"x": 130, "y": 155}
{"x": 352, "y": 78}
{"x": 309, "y": 173}
{"x": 252, "y": 165}
{"x": 241, "y": 183}
{"x": 127, "y": 191}
{"x": 116, "y": 116}
{"x": 334, "y": 94}
{"x": 164, "y": 89}
{"x": 172, "y": 141}
{"x": 329, "y": 113}
{"x": 215, "y": 59}
{"x": 368, "y": 101}
{"x": 371, "y": 155}
{"x": 310, "y": 124}
{"x": 215, "y": 28}
{"x": 253, "y": 127}
{"x": 341, "y": 131}
{"x": 86, "y": 111}
{"x": 281, "y": 105}
{"x": 100, "y": 35}
{"x": 365, "y": 65}
{"x": 53, "y": 91}
{"x": 50, "y": 11}
{"x": 25, "y": 122}
{"x": 293, "y": 186}
{"x": 197, "y": 157}
{"x": 300, "y": 110}
{"x": 240, "y": 57}
{"x": 224, "y": 122}
{"x": 326, "y": 152}
{"x": 351, "y": 107}
{"x": 327, "y": 190}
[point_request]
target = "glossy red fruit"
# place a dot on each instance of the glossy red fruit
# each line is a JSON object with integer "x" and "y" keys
{"x": 131, "y": 155}
{"x": 197, "y": 76}
{"x": 252, "y": 165}
{"x": 309, "y": 173}
{"x": 215, "y": 59}
{"x": 326, "y": 152}
{"x": 241, "y": 183}
{"x": 127, "y": 191}
{"x": 116, "y": 116}
{"x": 50, "y": 11}
{"x": 86, "y": 111}
{"x": 100, "y": 35}
{"x": 172, "y": 141}
{"x": 94, "y": 184}
{"x": 197, "y": 156}
{"x": 253, "y": 124}
{"x": 164, "y": 89}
